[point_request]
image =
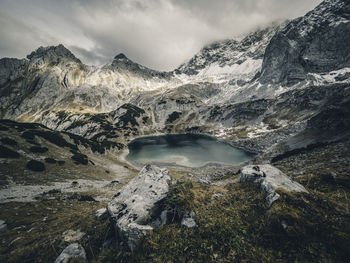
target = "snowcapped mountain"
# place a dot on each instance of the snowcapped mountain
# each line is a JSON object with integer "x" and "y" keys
{"x": 235, "y": 58}
{"x": 235, "y": 89}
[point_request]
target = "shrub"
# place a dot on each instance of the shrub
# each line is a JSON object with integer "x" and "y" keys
{"x": 35, "y": 166}
{"x": 61, "y": 162}
{"x": 8, "y": 141}
{"x": 80, "y": 158}
{"x": 28, "y": 135}
{"x": 50, "y": 160}
{"x": 38, "y": 149}
{"x": 8, "y": 153}
{"x": 55, "y": 138}
{"x": 173, "y": 117}
{"x": 3, "y": 128}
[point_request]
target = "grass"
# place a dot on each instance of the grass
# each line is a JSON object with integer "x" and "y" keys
{"x": 238, "y": 227}
{"x": 35, "y": 229}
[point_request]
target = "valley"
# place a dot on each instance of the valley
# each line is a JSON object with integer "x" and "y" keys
{"x": 273, "y": 186}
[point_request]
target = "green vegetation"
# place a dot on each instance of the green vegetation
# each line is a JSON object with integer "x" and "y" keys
{"x": 8, "y": 141}
{"x": 54, "y": 137}
{"x": 50, "y": 160}
{"x": 173, "y": 116}
{"x": 38, "y": 149}
{"x": 35, "y": 166}
{"x": 35, "y": 229}
{"x": 80, "y": 158}
{"x": 7, "y": 153}
{"x": 132, "y": 112}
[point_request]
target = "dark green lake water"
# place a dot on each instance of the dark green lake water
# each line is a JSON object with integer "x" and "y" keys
{"x": 191, "y": 150}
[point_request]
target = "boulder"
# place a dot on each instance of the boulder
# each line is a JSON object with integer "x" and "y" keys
{"x": 133, "y": 209}
{"x": 74, "y": 250}
{"x": 269, "y": 178}
{"x": 188, "y": 220}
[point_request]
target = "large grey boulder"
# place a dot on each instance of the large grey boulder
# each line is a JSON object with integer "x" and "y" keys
{"x": 269, "y": 178}
{"x": 74, "y": 250}
{"x": 133, "y": 208}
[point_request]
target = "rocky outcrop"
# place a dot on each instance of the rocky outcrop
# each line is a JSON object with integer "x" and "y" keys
{"x": 188, "y": 220}
{"x": 318, "y": 42}
{"x": 134, "y": 207}
{"x": 74, "y": 250}
{"x": 269, "y": 178}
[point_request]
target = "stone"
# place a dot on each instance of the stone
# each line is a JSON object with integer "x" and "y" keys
{"x": 74, "y": 250}
{"x": 3, "y": 226}
{"x": 133, "y": 209}
{"x": 269, "y": 178}
{"x": 70, "y": 235}
{"x": 188, "y": 220}
{"x": 100, "y": 212}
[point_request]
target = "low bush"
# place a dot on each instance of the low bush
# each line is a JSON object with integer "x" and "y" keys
{"x": 8, "y": 141}
{"x": 8, "y": 153}
{"x": 80, "y": 158}
{"x": 38, "y": 149}
{"x": 50, "y": 160}
{"x": 35, "y": 166}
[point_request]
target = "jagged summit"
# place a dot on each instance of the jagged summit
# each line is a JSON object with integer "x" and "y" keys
{"x": 122, "y": 63}
{"x": 52, "y": 54}
{"x": 120, "y": 56}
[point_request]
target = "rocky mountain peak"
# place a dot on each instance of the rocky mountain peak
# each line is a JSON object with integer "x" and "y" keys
{"x": 316, "y": 43}
{"x": 122, "y": 63}
{"x": 120, "y": 56}
{"x": 52, "y": 54}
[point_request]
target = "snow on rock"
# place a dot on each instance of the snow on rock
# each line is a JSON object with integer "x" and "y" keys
{"x": 269, "y": 178}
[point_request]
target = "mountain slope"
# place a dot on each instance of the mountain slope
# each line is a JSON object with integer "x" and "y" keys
{"x": 319, "y": 42}
{"x": 240, "y": 59}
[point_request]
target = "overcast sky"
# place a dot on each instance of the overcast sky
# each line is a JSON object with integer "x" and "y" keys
{"x": 160, "y": 34}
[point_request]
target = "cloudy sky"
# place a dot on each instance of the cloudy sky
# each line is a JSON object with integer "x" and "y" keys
{"x": 160, "y": 34}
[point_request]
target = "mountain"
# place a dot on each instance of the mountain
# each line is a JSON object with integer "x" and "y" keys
{"x": 281, "y": 92}
{"x": 317, "y": 43}
{"x": 234, "y": 89}
{"x": 238, "y": 58}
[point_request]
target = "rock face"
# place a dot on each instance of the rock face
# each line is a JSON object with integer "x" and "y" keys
{"x": 318, "y": 42}
{"x": 134, "y": 206}
{"x": 74, "y": 250}
{"x": 236, "y": 57}
{"x": 269, "y": 178}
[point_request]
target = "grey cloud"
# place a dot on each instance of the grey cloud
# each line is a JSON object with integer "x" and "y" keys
{"x": 159, "y": 34}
